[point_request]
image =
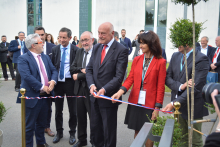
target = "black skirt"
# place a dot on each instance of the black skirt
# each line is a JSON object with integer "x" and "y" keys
{"x": 136, "y": 117}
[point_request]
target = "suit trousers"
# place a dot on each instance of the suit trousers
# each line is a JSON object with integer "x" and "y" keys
{"x": 196, "y": 138}
{"x": 103, "y": 125}
{"x": 18, "y": 78}
{"x": 35, "y": 122}
{"x": 4, "y": 69}
{"x": 83, "y": 107}
{"x": 50, "y": 101}
{"x": 61, "y": 89}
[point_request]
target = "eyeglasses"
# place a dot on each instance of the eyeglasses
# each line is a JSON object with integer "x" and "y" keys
{"x": 39, "y": 42}
{"x": 85, "y": 40}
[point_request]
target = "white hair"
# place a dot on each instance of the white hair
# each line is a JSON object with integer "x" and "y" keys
{"x": 207, "y": 39}
{"x": 91, "y": 35}
{"x": 31, "y": 39}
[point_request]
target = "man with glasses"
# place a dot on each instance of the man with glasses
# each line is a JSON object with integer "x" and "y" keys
{"x": 78, "y": 71}
{"x": 38, "y": 77}
{"x": 47, "y": 51}
{"x": 18, "y": 48}
{"x": 62, "y": 57}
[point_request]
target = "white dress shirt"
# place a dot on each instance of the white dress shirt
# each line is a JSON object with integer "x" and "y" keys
{"x": 45, "y": 47}
{"x": 204, "y": 50}
{"x": 19, "y": 41}
{"x": 88, "y": 56}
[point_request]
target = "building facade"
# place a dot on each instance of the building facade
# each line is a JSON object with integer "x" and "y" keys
{"x": 81, "y": 15}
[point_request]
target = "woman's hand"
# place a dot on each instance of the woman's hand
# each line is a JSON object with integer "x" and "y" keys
{"x": 155, "y": 114}
{"x": 117, "y": 95}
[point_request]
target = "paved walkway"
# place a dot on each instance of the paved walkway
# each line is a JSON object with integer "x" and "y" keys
{"x": 12, "y": 123}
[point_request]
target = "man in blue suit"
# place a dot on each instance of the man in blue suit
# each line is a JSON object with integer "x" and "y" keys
{"x": 126, "y": 40}
{"x": 47, "y": 51}
{"x": 38, "y": 78}
{"x": 18, "y": 48}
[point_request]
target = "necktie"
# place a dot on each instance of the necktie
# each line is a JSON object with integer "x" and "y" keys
{"x": 216, "y": 53}
{"x": 183, "y": 60}
{"x": 103, "y": 53}
{"x": 84, "y": 61}
{"x": 43, "y": 71}
{"x": 62, "y": 64}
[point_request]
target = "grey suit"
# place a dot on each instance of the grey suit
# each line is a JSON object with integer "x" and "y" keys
{"x": 175, "y": 78}
{"x": 135, "y": 44}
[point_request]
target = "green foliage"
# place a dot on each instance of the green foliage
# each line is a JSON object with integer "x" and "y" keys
{"x": 210, "y": 107}
{"x": 159, "y": 126}
{"x": 3, "y": 111}
{"x": 181, "y": 32}
{"x": 187, "y": 2}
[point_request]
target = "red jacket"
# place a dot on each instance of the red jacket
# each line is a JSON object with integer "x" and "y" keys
{"x": 154, "y": 81}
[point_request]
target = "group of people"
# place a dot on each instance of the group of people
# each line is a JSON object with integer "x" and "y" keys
{"x": 93, "y": 70}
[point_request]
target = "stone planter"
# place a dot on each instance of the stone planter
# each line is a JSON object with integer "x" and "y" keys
{"x": 1, "y": 137}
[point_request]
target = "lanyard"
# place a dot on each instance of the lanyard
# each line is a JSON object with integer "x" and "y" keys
{"x": 181, "y": 66}
{"x": 143, "y": 74}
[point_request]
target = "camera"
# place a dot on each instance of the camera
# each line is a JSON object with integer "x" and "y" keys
{"x": 208, "y": 89}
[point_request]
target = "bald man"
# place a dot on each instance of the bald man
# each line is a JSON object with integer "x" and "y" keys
{"x": 216, "y": 58}
{"x": 104, "y": 74}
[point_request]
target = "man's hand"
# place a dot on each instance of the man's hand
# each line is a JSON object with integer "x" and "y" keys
{"x": 75, "y": 76}
{"x": 213, "y": 66}
{"x": 46, "y": 89}
{"x": 155, "y": 114}
{"x": 83, "y": 70}
{"x": 184, "y": 86}
{"x": 92, "y": 89}
{"x": 117, "y": 95}
{"x": 101, "y": 92}
{"x": 51, "y": 85}
{"x": 168, "y": 107}
{"x": 19, "y": 47}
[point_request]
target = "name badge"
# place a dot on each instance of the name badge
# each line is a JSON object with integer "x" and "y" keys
{"x": 142, "y": 97}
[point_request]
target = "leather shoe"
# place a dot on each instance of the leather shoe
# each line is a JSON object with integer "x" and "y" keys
{"x": 17, "y": 89}
{"x": 57, "y": 137}
{"x": 72, "y": 139}
{"x": 44, "y": 145}
{"x": 13, "y": 79}
{"x": 6, "y": 79}
{"x": 49, "y": 132}
{"x": 80, "y": 144}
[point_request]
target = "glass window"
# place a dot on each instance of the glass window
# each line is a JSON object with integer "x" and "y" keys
{"x": 34, "y": 15}
{"x": 149, "y": 13}
{"x": 162, "y": 13}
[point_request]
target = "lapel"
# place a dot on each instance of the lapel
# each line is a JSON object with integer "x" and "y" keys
{"x": 111, "y": 50}
{"x": 71, "y": 53}
{"x": 208, "y": 51}
{"x": 58, "y": 56}
{"x": 81, "y": 58}
{"x": 153, "y": 62}
{"x": 47, "y": 51}
{"x": 34, "y": 61}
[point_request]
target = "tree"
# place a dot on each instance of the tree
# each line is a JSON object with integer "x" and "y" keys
{"x": 193, "y": 3}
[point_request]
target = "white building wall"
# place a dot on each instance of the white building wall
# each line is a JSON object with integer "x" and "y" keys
{"x": 123, "y": 14}
{"x": 13, "y": 16}
{"x": 60, "y": 13}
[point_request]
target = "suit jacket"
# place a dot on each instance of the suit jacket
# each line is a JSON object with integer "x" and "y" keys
{"x": 49, "y": 47}
{"x": 135, "y": 44}
{"x": 13, "y": 47}
{"x": 95, "y": 41}
{"x": 56, "y": 53}
{"x": 74, "y": 43}
{"x": 128, "y": 42}
{"x": 175, "y": 78}
{"x": 76, "y": 67}
{"x": 210, "y": 53}
{"x": 3, "y": 51}
{"x": 30, "y": 76}
{"x": 154, "y": 81}
{"x": 123, "y": 43}
{"x": 216, "y": 64}
{"x": 108, "y": 75}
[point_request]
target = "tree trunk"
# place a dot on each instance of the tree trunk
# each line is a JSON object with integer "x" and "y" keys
{"x": 193, "y": 75}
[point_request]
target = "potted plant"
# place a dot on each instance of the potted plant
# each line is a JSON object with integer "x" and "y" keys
{"x": 3, "y": 111}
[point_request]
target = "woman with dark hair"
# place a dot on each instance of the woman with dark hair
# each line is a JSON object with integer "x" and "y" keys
{"x": 147, "y": 75}
{"x": 75, "y": 41}
{"x": 49, "y": 38}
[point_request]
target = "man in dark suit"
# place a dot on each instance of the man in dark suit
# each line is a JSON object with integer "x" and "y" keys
{"x": 5, "y": 59}
{"x": 18, "y": 48}
{"x": 215, "y": 64}
{"x": 136, "y": 44}
{"x": 104, "y": 74}
{"x": 62, "y": 57}
{"x": 206, "y": 49}
{"x": 78, "y": 72}
{"x": 176, "y": 81}
{"x": 38, "y": 78}
{"x": 47, "y": 51}
{"x": 126, "y": 40}
{"x": 116, "y": 36}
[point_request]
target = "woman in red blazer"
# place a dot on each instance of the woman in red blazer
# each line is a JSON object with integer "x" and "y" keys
{"x": 147, "y": 75}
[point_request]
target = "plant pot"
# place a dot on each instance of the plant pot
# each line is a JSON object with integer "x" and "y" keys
{"x": 1, "y": 137}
